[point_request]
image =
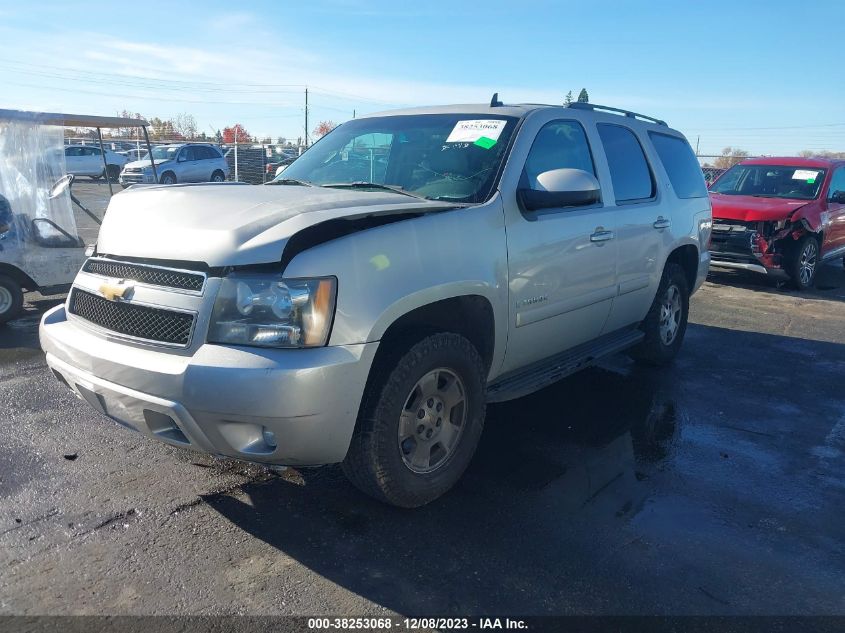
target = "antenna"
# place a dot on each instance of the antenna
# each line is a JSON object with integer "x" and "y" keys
{"x": 494, "y": 102}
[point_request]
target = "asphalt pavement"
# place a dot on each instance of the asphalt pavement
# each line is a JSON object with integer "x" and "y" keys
{"x": 714, "y": 486}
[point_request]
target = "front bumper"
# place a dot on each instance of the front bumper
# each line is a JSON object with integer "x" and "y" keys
{"x": 738, "y": 246}
{"x": 135, "y": 178}
{"x": 284, "y": 407}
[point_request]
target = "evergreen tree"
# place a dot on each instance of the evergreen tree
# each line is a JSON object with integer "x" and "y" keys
{"x": 568, "y": 98}
{"x": 583, "y": 97}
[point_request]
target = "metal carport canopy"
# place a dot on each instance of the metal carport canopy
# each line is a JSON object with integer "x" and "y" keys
{"x": 70, "y": 120}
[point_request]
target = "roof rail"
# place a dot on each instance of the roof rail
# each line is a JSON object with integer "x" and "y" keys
{"x": 579, "y": 105}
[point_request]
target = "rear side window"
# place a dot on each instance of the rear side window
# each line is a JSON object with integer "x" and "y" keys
{"x": 681, "y": 164}
{"x": 629, "y": 170}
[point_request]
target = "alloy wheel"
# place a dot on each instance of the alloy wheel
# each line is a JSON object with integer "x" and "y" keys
{"x": 432, "y": 420}
{"x": 807, "y": 262}
{"x": 670, "y": 314}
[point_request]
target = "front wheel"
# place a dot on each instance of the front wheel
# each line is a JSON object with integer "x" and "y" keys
{"x": 666, "y": 322}
{"x": 802, "y": 262}
{"x": 218, "y": 176}
{"x": 168, "y": 178}
{"x": 420, "y": 422}
{"x": 11, "y": 299}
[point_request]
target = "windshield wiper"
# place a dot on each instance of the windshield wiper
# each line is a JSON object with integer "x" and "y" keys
{"x": 292, "y": 181}
{"x": 372, "y": 185}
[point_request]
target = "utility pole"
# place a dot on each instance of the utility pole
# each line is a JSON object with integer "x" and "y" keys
{"x": 697, "y": 141}
{"x": 306, "y": 117}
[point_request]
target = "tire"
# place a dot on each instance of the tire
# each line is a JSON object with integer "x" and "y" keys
{"x": 379, "y": 460}
{"x": 11, "y": 299}
{"x": 97, "y": 177}
{"x": 802, "y": 262}
{"x": 168, "y": 178}
{"x": 218, "y": 176}
{"x": 662, "y": 340}
{"x": 113, "y": 173}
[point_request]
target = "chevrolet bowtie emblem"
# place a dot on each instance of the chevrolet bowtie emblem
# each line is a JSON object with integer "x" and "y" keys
{"x": 117, "y": 291}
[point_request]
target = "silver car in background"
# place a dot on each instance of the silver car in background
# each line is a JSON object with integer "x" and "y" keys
{"x": 189, "y": 162}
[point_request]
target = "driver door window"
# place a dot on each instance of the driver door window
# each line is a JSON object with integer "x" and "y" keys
{"x": 558, "y": 145}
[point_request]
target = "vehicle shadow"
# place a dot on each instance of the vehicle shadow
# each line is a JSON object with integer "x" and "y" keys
{"x": 550, "y": 468}
{"x": 621, "y": 489}
{"x": 19, "y": 337}
{"x": 830, "y": 282}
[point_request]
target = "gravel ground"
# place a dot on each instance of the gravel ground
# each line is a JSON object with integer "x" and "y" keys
{"x": 715, "y": 486}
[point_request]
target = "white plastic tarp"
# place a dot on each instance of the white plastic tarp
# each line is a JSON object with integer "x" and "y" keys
{"x": 32, "y": 159}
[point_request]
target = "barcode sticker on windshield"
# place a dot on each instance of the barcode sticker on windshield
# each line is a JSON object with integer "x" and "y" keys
{"x": 471, "y": 131}
{"x": 804, "y": 174}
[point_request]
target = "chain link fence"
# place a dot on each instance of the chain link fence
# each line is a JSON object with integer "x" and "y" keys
{"x": 252, "y": 163}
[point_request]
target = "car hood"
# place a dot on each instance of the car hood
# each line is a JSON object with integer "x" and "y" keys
{"x": 145, "y": 162}
{"x": 753, "y": 209}
{"x": 232, "y": 224}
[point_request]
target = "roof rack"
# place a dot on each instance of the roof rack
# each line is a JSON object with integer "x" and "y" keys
{"x": 579, "y": 105}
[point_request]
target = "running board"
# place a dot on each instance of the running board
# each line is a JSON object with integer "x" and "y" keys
{"x": 550, "y": 370}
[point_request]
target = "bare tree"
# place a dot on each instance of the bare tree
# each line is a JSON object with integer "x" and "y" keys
{"x": 185, "y": 124}
{"x": 808, "y": 153}
{"x": 730, "y": 157}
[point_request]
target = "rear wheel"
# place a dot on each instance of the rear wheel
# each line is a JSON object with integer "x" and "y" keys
{"x": 218, "y": 176}
{"x": 11, "y": 298}
{"x": 666, "y": 322}
{"x": 802, "y": 262}
{"x": 420, "y": 422}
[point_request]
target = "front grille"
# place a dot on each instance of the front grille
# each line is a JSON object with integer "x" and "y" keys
{"x": 143, "y": 322}
{"x": 153, "y": 276}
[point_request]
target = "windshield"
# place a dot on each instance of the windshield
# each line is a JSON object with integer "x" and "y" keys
{"x": 771, "y": 181}
{"x": 166, "y": 152}
{"x": 452, "y": 157}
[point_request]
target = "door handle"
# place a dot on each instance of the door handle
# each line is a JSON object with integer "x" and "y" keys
{"x": 601, "y": 235}
{"x": 662, "y": 223}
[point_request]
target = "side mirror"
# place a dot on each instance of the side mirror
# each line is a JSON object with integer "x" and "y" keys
{"x": 561, "y": 188}
{"x": 182, "y": 158}
{"x": 61, "y": 185}
{"x": 838, "y": 197}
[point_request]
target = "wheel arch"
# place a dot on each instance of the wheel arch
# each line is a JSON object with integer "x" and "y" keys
{"x": 686, "y": 256}
{"x": 470, "y": 315}
{"x": 26, "y": 282}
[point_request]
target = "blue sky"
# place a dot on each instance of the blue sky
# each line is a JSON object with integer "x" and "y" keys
{"x": 762, "y": 76}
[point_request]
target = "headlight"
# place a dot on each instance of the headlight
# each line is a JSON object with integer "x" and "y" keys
{"x": 268, "y": 311}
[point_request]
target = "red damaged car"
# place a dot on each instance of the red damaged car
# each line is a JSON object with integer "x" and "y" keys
{"x": 779, "y": 216}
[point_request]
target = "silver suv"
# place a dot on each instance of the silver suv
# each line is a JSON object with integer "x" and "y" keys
{"x": 408, "y": 269}
{"x": 192, "y": 162}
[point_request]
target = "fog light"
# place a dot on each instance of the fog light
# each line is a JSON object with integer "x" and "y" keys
{"x": 269, "y": 438}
